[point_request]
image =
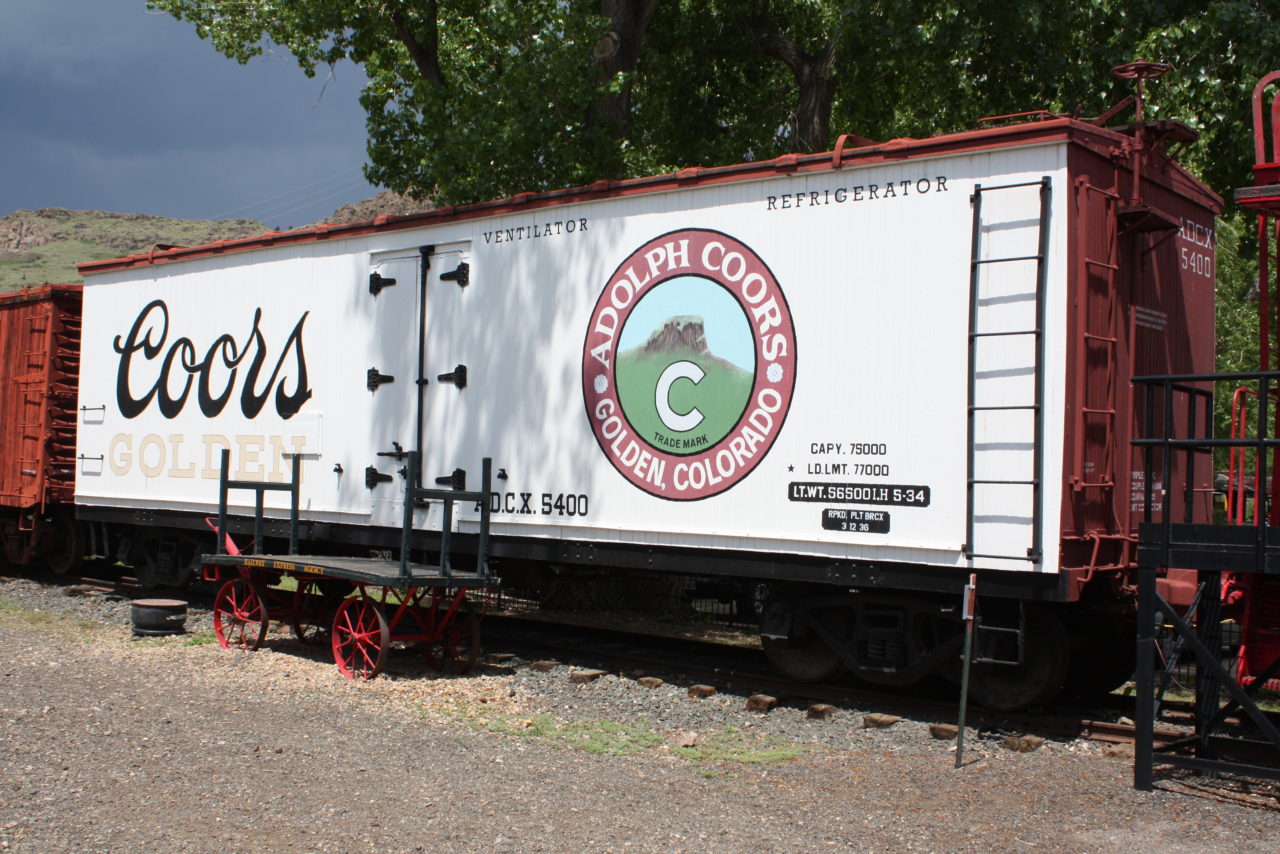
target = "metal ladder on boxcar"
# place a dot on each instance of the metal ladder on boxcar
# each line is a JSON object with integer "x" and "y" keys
{"x": 1097, "y": 344}
{"x": 977, "y": 475}
{"x": 31, "y": 387}
{"x": 1097, "y": 465}
{"x": 63, "y": 380}
{"x": 48, "y": 431}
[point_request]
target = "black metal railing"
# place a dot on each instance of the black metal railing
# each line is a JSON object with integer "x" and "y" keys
{"x": 454, "y": 492}
{"x": 1174, "y": 536}
{"x": 415, "y": 495}
{"x": 259, "y": 488}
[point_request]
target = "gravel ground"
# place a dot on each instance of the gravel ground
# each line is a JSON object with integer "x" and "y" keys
{"x": 108, "y": 743}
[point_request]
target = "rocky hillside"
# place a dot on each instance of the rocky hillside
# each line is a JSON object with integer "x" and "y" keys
{"x": 386, "y": 203}
{"x": 45, "y": 245}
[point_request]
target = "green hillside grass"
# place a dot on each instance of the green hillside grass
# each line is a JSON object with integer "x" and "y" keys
{"x": 721, "y": 397}
{"x": 53, "y": 262}
{"x": 45, "y": 245}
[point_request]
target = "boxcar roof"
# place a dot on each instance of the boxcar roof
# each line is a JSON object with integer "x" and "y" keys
{"x": 1055, "y": 129}
{"x": 36, "y": 293}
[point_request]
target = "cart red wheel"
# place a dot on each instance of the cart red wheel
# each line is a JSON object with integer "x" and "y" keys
{"x": 314, "y": 604}
{"x": 360, "y": 638}
{"x": 240, "y": 615}
{"x": 309, "y": 633}
{"x": 458, "y": 647}
{"x": 307, "y": 619}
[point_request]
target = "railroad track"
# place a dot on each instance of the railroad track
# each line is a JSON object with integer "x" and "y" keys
{"x": 103, "y": 585}
{"x": 743, "y": 668}
{"x": 122, "y": 585}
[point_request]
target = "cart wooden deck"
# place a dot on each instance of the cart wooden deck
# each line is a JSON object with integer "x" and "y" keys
{"x": 364, "y": 603}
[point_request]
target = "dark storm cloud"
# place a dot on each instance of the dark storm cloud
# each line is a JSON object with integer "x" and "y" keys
{"x": 108, "y": 106}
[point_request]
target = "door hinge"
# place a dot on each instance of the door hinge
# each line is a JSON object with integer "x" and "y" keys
{"x": 461, "y": 275}
{"x": 458, "y": 376}
{"x": 377, "y": 282}
{"x": 373, "y": 477}
{"x": 375, "y": 379}
{"x": 457, "y": 480}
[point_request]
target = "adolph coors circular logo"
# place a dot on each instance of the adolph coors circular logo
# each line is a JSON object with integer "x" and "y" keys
{"x": 689, "y": 364}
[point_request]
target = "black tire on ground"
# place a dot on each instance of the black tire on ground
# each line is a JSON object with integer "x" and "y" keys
{"x": 158, "y": 616}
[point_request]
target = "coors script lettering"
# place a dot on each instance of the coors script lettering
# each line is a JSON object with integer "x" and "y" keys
{"x": 147, "y": 339}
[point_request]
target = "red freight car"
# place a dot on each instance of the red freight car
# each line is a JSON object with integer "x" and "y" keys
{"x": 39, "y": 368}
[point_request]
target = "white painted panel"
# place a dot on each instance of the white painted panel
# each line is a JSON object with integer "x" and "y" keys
{"x": 858, "y": 408}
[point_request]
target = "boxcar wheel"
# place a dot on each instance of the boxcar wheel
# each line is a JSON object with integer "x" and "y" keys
{"x": 800, "y": 654}
{"x": 1045, "y": 660}
{"x": 68, "y": 545}
{"x": 753, "y": 596}
{"x": 360, "y": 638}
{"x": 240, "y": 617}
{"x": 165, "y": 559}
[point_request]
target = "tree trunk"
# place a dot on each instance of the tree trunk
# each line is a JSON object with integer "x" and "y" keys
{"x": 617, "y": 52}
{"x": 423, "y": 43}
{"x": 815, "y": 82}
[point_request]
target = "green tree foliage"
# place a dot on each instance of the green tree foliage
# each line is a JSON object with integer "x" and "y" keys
{"x": 1237, "y": 292}
{"x": 1236, "y": 307}
{"x": 1220, "y": 50}
{"x": 511, "y": 112}
{"x": 476, "y": 99}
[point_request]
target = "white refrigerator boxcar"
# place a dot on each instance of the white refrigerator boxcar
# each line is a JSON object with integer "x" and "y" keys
{"x": 714, "y": 367}
{"x": 821, "y": 367}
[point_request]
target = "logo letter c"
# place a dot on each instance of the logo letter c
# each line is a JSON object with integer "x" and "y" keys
{"x": 676, "y": 421}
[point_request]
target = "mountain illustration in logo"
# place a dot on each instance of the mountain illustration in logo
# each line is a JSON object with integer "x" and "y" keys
{"x": 678, "y": 333}
{"x": 679, "y": 396}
